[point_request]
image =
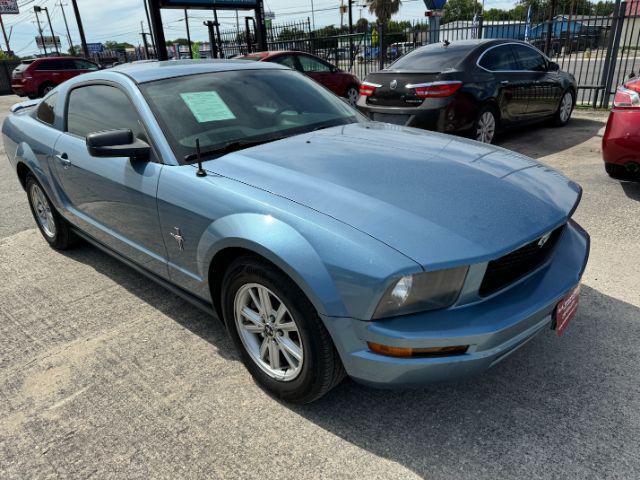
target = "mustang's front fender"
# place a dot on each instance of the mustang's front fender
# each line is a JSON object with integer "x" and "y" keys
{"x": 279, "y": 243}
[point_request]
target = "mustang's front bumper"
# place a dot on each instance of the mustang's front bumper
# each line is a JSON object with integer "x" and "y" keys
{"x": 493, "y": 328}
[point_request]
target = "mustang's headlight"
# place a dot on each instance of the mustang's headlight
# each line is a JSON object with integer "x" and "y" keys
{"x": 422, "y": 291}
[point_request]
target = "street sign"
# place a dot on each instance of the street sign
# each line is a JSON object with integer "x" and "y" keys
{"x": 434, "y": 13}
{"x": 49, "y": 41}
{"x": 95, "y": 47}
{"x": 9, "y": 7}
{"x": 209, "y": 4}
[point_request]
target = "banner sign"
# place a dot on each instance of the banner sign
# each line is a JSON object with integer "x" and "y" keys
{"x": 209, "y": 4}
{"x": 9, "y": 7}
{"x": 49, "y": 41}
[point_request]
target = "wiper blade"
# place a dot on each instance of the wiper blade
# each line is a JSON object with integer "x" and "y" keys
{"x": 232, "y": 146}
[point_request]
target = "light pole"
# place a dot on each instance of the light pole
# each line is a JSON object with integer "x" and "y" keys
{"x": 53, "y": 35}
{"x": 44, "y": 47}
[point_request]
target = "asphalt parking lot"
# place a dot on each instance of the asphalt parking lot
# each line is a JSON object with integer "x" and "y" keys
{"x": 106, "y": 375}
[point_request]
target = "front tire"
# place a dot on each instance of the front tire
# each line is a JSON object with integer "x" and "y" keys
{"x": 280, "y": 337}
{"x": 53, "y": 227}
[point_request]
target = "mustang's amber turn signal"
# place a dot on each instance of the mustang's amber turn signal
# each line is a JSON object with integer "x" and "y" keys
{"x": 417, "y": 352}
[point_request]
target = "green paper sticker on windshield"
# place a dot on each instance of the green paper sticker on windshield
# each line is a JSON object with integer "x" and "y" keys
{"x": 207, "y": 106}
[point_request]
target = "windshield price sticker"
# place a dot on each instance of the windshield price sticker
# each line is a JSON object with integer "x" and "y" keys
{"x": 207, "y": 106}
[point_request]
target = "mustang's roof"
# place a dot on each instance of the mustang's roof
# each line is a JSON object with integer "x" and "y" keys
{"x": 147, "y": 71}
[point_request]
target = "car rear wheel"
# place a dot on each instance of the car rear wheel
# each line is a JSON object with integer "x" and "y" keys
{"x": 485, "y": 126}
{"x": 46, "y": 88}
{"x": 53, "y": 227}
{"x": 565, "y": 109}
{"x": 281, "y": 339}
{"x": 352, "y": 96}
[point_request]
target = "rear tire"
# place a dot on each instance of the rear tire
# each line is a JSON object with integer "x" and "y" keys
{"x": 45, "y": 88}
{"x": 303, "y": 335}
{"x": 352, "y": 94}
{"x": 565, "y": 109}
{"x": 486, "y": 125}
{"x": 54, "y": 228}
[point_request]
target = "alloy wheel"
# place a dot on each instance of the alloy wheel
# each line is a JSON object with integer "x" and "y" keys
{"x": 486, "y": 127}
{"x": 268, "y": 332}
{"x": 566, "y": 107}
{"x": 44, "y": 215}
{"x": 352, "y": 96}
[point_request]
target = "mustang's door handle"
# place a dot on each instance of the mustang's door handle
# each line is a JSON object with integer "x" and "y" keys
{"x": 63, "y": 158}
{"x": 504, "y": 82}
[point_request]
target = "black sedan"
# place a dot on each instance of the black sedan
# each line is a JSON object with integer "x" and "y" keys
{"x": 470, "y": 87}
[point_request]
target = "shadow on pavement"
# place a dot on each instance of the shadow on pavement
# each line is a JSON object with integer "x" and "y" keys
{"x": 632, "y": 189}
{"x": 540, "y": 140}
{"x": 543, "y": 409}
{"x": 205, "y": 326}
{"x": 565, "y": 407}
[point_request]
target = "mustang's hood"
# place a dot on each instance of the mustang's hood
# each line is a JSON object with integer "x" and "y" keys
{"x": 436, "y": 198}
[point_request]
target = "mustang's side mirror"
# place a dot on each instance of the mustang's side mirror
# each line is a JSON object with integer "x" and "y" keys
{"x": 553, "y": 67}
{"x": 117, "y": 143}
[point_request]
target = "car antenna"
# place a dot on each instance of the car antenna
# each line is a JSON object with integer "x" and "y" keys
{"x": 200, "y": 172}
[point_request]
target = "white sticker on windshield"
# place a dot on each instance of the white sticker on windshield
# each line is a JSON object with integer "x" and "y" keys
{"x": 207, "y": 106}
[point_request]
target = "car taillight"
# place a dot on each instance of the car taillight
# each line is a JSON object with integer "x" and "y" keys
{"x": 627, "y": 98}
{"x": 367, "y": 88}
{"x": 435, "y": 89}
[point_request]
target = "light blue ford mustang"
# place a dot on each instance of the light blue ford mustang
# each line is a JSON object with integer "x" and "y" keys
{"x": 328, "y": 244}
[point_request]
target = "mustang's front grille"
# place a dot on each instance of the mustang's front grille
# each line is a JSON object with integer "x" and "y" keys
{"x": 505, "y": 270}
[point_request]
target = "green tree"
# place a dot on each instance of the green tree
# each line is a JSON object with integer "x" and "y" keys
{"x": 362, "y": 25}
{"x": 496, "y": 14}
{"x": 603, "y": 8}
{"x": 179, "y": 41}
{"x": 460, "y": 10}
{"x": 111, "y": 45}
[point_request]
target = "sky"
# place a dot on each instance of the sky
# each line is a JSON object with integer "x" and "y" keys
{"x": 119, "y": 20}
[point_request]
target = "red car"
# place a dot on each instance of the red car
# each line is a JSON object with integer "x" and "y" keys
{"x": 341, "y": 83}
{"x": 35, "y": 78}
{"x": 621, "y": 141}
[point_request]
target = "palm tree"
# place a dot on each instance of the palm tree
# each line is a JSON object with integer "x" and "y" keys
{"x": 384, "y": 9}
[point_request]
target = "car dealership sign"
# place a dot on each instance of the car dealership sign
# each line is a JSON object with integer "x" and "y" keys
{"x": 208, "y": 4}
{"x": 9, "y": 7}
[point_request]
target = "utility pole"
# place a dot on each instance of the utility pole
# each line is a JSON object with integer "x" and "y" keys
{"x": 83, "y": 40}
{"x": 313, "y": 16}
{"x": 4, "y": 33}
{"x": 186, "y": 22}
{"x": 260, "y": 27}
{"x": 66, "y": 25}
{"x": 44, "y": 47}
{"x": 219, "y": 40}
{"x": 146, "y": 11}
{"x": 144, "y": 39}
{"x": 212, "y": 38}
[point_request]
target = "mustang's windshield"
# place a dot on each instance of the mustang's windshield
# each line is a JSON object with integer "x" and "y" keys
{"x": 243, "y": 107}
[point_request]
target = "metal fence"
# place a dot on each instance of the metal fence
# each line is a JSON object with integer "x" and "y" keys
{"x": 600, "y": 50}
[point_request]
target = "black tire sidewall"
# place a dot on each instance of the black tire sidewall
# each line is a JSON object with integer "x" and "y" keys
{"x": 250, "y": 270}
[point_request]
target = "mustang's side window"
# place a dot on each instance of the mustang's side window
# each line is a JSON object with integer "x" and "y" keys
{"x": 46, "y": 108}
{"x": 96, "y": 108}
